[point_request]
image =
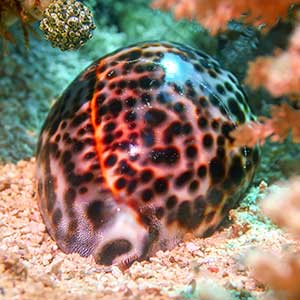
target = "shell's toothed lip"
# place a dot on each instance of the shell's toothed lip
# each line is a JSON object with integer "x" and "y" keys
{"x": 137, "y": 152}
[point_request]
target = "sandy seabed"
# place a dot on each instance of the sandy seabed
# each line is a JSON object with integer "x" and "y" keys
{"x": 32, "y": 266}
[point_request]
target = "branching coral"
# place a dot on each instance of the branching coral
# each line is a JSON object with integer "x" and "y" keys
{"x": 284, "y": 120}
{"x": 215, "y": 14}
{"x": 279, "y": 74}
{"x": 282, "y": 275}
{"x": 286, "y": 198}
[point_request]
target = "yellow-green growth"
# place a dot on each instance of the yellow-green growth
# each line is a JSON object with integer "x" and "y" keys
{"x": 67, "y": 24}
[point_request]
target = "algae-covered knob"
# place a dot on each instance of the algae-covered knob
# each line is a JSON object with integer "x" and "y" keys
{"x": 61, "y": 18}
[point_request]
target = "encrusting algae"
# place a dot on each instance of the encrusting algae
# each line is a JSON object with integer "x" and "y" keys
{"x": 67, "y": 24}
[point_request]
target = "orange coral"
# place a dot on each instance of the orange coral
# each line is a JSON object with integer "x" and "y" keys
{"x": 282, "y": 274}
{"x": 284, "y": 119}
{"x": 215, "y": 14}
{"x": 279, "y": 74}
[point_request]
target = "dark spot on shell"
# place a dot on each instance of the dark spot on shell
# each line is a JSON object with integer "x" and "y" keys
{"x": 210, "y": 216}
{"x": 187, "y": 128}
{"x": 50, "y": 192}
{"x": 164, "y": 98}
{"x": 146, "y": 82}
{"x": 130, "y": 116}
{"x": 148, "y": 137}
{"x": 199, "y": 206}
{"x": 115, "y": 107}
{"x": 221, "y": 140}
{"x": 132, "y": 185}
{"x": 112, "y": 250}
{"x": 147, "y": 195}
{"x": 160, "y": 186}
{"x": 146, "y": 176}
{"x": 184, "y": 213}
{"x": 202, "y": 171}
{"x": 79, "y": 119}
{"x": 228, "y": 86}
{"x": 174, "y": 129}
{"x": 191, "y": 152}
{"x": 236, "y": 171}
{"x": 179, "y": 107}
{"x": 110, "y": 160}
{"x": 220, "y": 89}
{"x": 159, "y": 212}
{"x": 194, "y": 185}
{"x": 202, "y": 123}
{"x": 209, "y": 231}
{"x": 154, "y": 117}
{"x": 130, "y": 102}
{"x": 99, "y": 100}
{"x": 126, "y": 168}
{"x": 57, "y": 216}
{"x": 203, "y": 102}
{"x": 78, "y": 146}
{"x": 208, "y": 141}
{"x": 146, "y": 98}
{"x": 236, "y": 110}
{"x": 109, "y": 126}
{"x": 70, "y": 196}
{"x": 169, "y": 155}
{"x": 217, "y": 169}
{"x": 83, "y": 190}
{"x": 120, "y": 183}
{"x": 89, "y": 155}
{"x": 66, "y": 157}
{"x": 183, "y": 178}
{"x": 215, "y": 196}
{"x": 96, "y": 213}
{"x": 108, "y": 139}
{"x": 226, "y": 129}
{"x": 112, "y": 74}
{"x": 255, "y": 155}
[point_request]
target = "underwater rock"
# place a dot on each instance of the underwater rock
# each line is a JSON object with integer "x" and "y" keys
{"x": 137, "y": 152}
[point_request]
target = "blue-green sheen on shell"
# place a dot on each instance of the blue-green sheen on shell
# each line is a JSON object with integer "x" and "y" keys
{"x": 137, "y": 152}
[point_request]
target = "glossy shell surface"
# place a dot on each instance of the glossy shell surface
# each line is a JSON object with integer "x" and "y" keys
{"x": 137, "y": 152}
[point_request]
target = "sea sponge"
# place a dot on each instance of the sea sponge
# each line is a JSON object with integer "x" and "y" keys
{"x": 67, "y": 24}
